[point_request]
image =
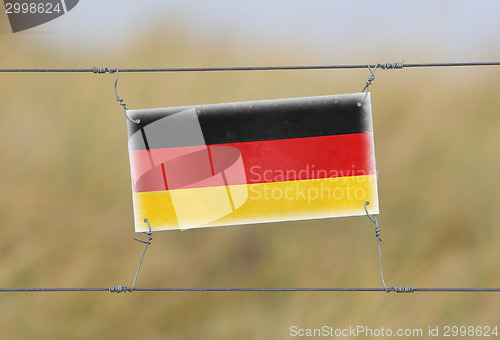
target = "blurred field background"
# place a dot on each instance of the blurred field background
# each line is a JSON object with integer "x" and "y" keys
{"x": 66, "y": 209}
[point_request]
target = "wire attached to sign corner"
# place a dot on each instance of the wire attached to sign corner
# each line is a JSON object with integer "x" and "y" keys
{"x": 122, "y": 289}
{"x": 120, "y": 100}
{"x": 102, "y": 70}
{"x": 386, "y": 66}
{"x": 377, "y": 235}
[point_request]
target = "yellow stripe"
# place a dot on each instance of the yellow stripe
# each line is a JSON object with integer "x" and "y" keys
{"x": 255, "y": 203}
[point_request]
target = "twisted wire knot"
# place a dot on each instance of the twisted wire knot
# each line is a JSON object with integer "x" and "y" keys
{"x": 371, "y": 78}
{"x": 103, "y": 70}
{"x": 403, "y": 289}
{"x": 378, "y": 232}
{"x": 118, "y": 289}
{"x": 369, "y": 81}
{"x": 147, "y": 233}
{"x": 374, "y": 220}
{"x": 392, "y": 66}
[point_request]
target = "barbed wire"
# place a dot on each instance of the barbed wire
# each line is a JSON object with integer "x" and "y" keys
{"x": 398, "y": 65}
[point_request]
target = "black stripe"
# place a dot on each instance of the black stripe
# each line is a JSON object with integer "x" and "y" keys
{"x": 145, "y": 139}
{"x": 271, "y": 119}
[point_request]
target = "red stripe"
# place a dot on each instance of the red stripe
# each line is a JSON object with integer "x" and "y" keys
{"x": 262, "y": 161}
{"x": 211, "y": 161}
{"x": 164, "y": 176}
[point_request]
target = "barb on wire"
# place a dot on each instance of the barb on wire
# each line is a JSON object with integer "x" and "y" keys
{"x": 118, "y": 289}
{"x": 392, "y": 66}
{"x": 103, "y": 70}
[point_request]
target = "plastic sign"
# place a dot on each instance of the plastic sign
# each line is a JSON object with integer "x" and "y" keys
{"x": 252, "y": 162}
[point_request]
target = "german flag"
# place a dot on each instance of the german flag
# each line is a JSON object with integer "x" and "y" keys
{"x": 252, "y": 162}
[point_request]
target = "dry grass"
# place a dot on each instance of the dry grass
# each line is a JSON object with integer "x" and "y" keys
{"x": 66, "y": 211}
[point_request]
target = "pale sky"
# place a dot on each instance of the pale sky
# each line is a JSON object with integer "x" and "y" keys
{"x": 461, "y": 30}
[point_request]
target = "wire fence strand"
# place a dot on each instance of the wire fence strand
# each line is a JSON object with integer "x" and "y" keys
{"x": 245, "y": 68}
{"x": 173, "y": 289}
